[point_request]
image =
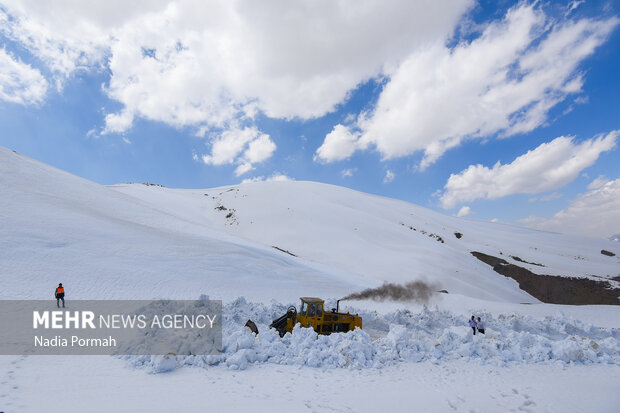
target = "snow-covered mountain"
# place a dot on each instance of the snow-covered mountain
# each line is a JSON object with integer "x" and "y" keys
{"x": 261, "y": 240}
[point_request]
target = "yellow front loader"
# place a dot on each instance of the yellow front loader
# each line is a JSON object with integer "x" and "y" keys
{"x": 312, "y": 315}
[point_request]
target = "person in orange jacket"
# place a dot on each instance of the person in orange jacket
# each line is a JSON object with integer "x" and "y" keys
{"x": 60, "y": 295}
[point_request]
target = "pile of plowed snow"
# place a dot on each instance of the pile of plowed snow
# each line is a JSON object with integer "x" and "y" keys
{"x": 401, "y": 336}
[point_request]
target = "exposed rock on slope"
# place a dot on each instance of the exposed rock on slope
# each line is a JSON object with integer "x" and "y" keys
{"x": 554, "y": 289}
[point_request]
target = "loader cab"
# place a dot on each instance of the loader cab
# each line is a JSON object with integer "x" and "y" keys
{"x": 311, "y": 313}
{"x": 311, "y": 307}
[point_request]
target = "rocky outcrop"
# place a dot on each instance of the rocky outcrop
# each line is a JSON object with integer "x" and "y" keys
{"x": 554, "y": 289}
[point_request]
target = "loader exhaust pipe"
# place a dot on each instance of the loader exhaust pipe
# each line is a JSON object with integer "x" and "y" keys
{"x": 337, "y": 309}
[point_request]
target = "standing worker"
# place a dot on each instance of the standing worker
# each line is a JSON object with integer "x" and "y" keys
{"x": 60, "y": 295}
{"x": 472, "y": 324}
{"x": 480, "y": 325}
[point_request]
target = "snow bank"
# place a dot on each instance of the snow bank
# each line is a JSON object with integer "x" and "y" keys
{"x": 401, "y": 336}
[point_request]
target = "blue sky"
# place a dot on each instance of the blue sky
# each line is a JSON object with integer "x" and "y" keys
{"x": 410, "y": 102}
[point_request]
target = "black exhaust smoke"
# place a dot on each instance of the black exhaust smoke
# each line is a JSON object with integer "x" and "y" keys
{"x": 412, "y": 291}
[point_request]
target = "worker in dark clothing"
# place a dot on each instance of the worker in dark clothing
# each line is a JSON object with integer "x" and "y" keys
{"x": 472, "y": 324}
{"x": 60, "y": 295}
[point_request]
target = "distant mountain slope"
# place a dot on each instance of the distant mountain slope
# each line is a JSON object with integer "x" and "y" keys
{"x": 384, "y": 239}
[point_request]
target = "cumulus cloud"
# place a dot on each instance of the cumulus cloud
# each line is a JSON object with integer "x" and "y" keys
{"x": 503, "y": 82}
{"x": 243, "y": 168}
{"x": 260, "y": 149}
{"x": 464, "y": 211}
{"x": 208, "y": 63}
{"x": 339, "y": 144}
{"x": 213, "y": 65}
{"x": 69, "y": 35}
{"x": 245, "y": 147}
{"x": 19, "y": 82}
{"x": 592, "y": 214}
{"x": 118, "y": 122}
{"x": 548, "y": 167}
{"x": 229, "y": 145}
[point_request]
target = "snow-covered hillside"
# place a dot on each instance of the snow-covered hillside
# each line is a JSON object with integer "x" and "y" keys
{"x": 105, "y": 244}
{"x": 382, "y": 239}
{"x": 261, "y": 240}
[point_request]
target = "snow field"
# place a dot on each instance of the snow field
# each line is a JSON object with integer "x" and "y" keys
{"x": 104, "y": 385}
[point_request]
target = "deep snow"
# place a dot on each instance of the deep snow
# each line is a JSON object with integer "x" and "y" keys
{"x": 402, "y": 336}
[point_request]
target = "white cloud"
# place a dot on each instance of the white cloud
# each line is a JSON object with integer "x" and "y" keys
{"x": 389, "y": 176}
{"x": 346, "y": 173}
{"x": 504, "y": 81}
{"x": 594, "y": 214}
{"x": 118, "y": 122}
{"x": 228, "y": 145}
{"x": 207, "y": 63}
{"x": 339, "y": 144}
{"x": 213, "y": 65}
{"x": 244, "y": 168}
{"x": 19, "y": 82}
{"x": 495, "y": 220}
{"x": 548, "y": 167}
{"x": 260, "y": 149}
{"x": 69, "y": 35}
{"x": 276, "y": 177}
{"x": 253, "y": 179}
{"x": 598, "y": 182}
{"x": 245, "y": 147}
{"x": 464, "y": 211}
